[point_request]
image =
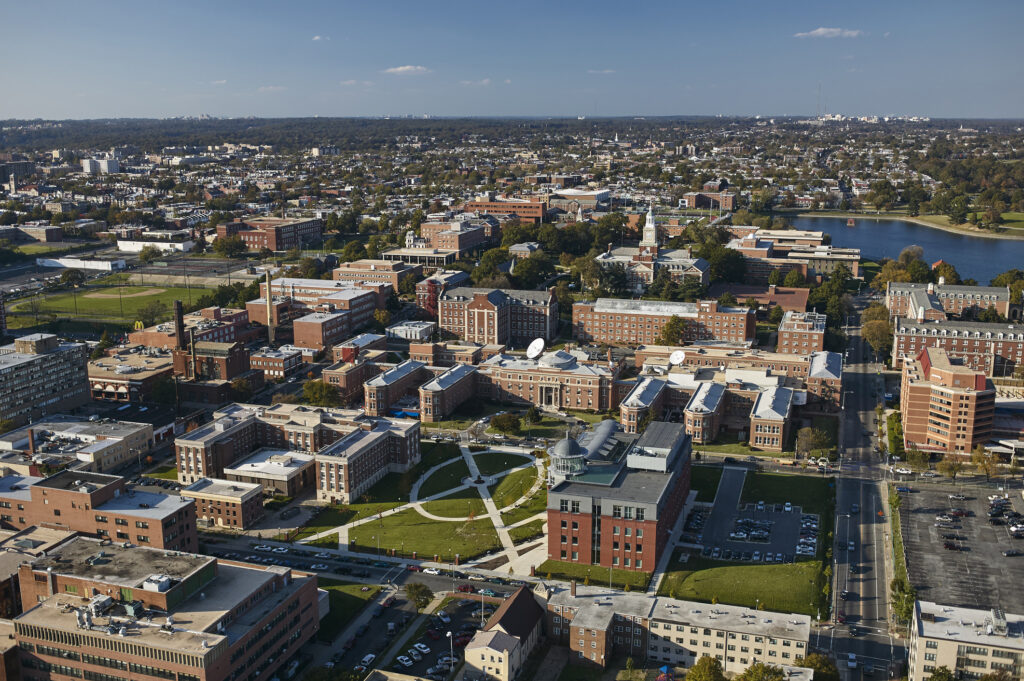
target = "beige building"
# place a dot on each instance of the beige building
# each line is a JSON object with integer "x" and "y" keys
{"x": 970, "y": 642}
{"x": 801, "y": 333}
{"x": 101, "y": 445}
{"x": 499, "y": 651}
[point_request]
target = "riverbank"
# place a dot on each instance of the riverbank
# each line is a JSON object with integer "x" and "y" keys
{"x": 919, "y": 220}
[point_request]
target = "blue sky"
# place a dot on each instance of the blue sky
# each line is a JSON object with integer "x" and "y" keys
{"x": 148, "y": 59}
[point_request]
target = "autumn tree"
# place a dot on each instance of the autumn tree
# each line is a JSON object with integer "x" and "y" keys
{"x": 419, "y": 594}
{"x": 673, "y": 331}
{"x": 951, "y": 465}
{"x": 878, "y": 334}
{"x": 985, "y": 460}
{"x": 759, "y": 671}
{"x": 320, "y": 394}
{"x": 706, "y": 668}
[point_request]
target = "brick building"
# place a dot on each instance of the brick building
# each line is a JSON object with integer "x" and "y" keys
{"x": 129, "y": 376}
{"x": 637, "y": 322}
{"x": 614, "y": 499}
{"x": 318, "y": 330}
{"x": 906, "y": 299}
{"x": 99, "y": 505}
{"x": 557, "y": 380}
{"x": 278, "y": 471}
{"x": 532, "y": 210}
{"x": 41, "y": 375}
{"x": 216, "y": 324}
{"x": 277, "y": 234}
{"x": 377, "y": 271}
{"x": 770, "y": 419}
{"x": 494, "y": 316}
{"x": 995, "y": 349}
{"x": 946, "y": 406}
{"x": 450, "y": 353}
{"x": 349, "y": 377}
{"x": 108, "y": 611}
{"x": 801, "y": 333}
{"x": 351, "y": 465}
{"x": 767, "y": 296}
{"x": 429, "y": 290}
{"x": 224, "y": 503}
{"x": 441, "y": 395}
{"x": 207, "y": 360}
{"x": 385, "y": 389}
{"x": 276, "y": 364}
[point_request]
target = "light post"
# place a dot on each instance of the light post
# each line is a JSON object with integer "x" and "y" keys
{"x": 451, "y": 645}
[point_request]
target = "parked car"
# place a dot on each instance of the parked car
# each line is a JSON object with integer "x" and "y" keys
{"x": 422, "y": 648}
{"x": 404, "y": 661}
{"x": 431, "y": 571}
{"x": 368, "y": 659}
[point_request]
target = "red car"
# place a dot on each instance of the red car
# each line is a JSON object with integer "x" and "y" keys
{"x": 433, "y": 634}
{"x": 388, "y": 602}
{"x": 414, "y": 568}
{"x": 841, "y": 617}
{"x": 464, "y": 588}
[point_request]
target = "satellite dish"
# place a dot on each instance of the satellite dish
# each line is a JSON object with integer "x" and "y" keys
{"x": 535, "y": 348}
{"x": 676, "y": 357}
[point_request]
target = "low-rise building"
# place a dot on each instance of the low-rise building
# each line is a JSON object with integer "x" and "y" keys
{"x": 500, "y": 649}
{"x": 906, "y": 299}
{"x": 417, "y": 331}
{"x": 429, "y": 289}
{"x": 279, "y": 472}
{"x": 350, "y": 377}
{"x": 318, "y": 330}
{"x": 617, "y": 321}
{"x": 385, "y": 389}
{"x": 995, "y": 349}
{"x": 214, "y": 324}
{"x": 969, "y": 642}
{"x": 352, "y": 464}
{"x": 450, "y": 353}
{"x": 224, "y": 503}
{"x": 388, "y": 272}
{"x": 801, "y": 333}
{"x": 443, "y": 394}
{"x": 277, "y": 234}
{"x": 101, "y": 445}
{"x": 129, "y": 376}
{"x": 946, "y": 406}
{"x": 770, "y": 419}
{"x": 276, "y": 364}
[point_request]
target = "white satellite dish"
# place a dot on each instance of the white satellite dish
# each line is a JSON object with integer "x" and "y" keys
{"x": 535, "y": 348}
{"x": 676, "y": 358}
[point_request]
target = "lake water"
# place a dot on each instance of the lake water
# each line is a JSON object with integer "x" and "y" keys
{"x": 973, "y": 256}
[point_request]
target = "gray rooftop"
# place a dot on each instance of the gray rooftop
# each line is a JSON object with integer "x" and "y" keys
{"x": 773, "y": 403}
{"x": 970, "y": 626}
{"x": 706, "y": 398}
{"x": 144, "y": 504}
{"x": 954, "y": 328}
{"x": 396, "y": 373}
{"x": 944, "y": 290}
{"x": 449, "y": 378}
{"x": 826, "y": 365}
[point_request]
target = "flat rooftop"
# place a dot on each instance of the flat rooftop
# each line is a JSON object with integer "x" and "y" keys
{"x": 144, "y": 504}
{"x": 127, "y": 567}
{"x": 130, "y": 367}
{"x": 969, "y": 626}
{"x": 221, "y": 488}
{"x": 77, "y": 480}
{"x": 268, "y": 462}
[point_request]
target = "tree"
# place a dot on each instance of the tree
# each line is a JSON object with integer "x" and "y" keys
{"x": 229, "y": 246}
{"x": 382, "y": 318}
{"x": 775, "y": 315}
{"x": 942, "y": 673}
{"x": 531, "y": 272}
{"x": 151, "y": 312}
{"x": 909, "y": 254}
{"x": 420, "y": 594}
{"x": 506, "y": 423}
{"x": 149, "y": 253}
{"x": 947, "y": 272}
{"x": 878, "y": 333}
{"x": 72, "y": 277}
{"x": 916, "y": 459}
{"x": 810, "y": 440}
{"x": 759, "y": 671}
{"x": 320, "y": 394}
{"x": 353, "y": 250}
{"x": 951, "y": 465}
{"x": 957, "y": 212}
{"x": 902, "y": 598}
{"x": 985, "y": 460}
{"x": 727, "y": 299}
{"x": 794, "y": 279}
{"x": 241, "y": 389}
{"x": 284, "y": 398}
{"x": 824, "y": 667}
{"x": 673, "y": 331}
{"x": 6, "y": 425}
{"x": 706, "y": 668}
{"x": 882, "y": 194}
{"x": 875, "y": 312}
{"x": 532, "y": 415}
{"x": 101, "y": 347}
{"x": 990, "y": 316}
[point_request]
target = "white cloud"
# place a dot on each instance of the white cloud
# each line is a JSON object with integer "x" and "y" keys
{"x": 484, "y": 82}
{"x": 218, "y": 82}
{"x": 320, "y": 37}
{"x": 407, "y": 70}
{"x": 602, "y": 72}
{"x": 508, "y": 81}
{"x": 823, "y": 32}
{"x": 886, "y": 34}
{"x": 264, "y": 89}
{"x": 351, "y": 82}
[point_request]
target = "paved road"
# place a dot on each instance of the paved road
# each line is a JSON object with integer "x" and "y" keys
{"x": 861, "y": 571}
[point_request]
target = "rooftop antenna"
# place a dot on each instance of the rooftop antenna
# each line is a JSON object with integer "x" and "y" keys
{"x": 535, "y": 348}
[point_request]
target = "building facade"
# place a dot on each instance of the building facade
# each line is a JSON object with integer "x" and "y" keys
{"x": 995, "y": 349}
{"x": 377, "y": 271}
{"x": 801, "y": 333}
{"x": 904, "y": 299}
{"x": 277, "y": 234}
{"x": 40, "y": 374}
{"x": 224, "y": 503}
{"x": 493, "y": 316}
{"x": 969, "y": 642}
{"x": 639, "y": 322}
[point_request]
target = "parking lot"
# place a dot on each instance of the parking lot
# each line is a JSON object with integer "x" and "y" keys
{"x": 958, "y": 559}
{"x": 755, "y": 532}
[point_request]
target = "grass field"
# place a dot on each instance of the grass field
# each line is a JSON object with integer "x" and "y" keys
{"x": 547, "y": 427}
{"x": 705, "y": 480}
{"x": 792, "y": 587}
{"x": 491, "y": 463}
{"x": 510, "y": 488}
{"x": 408, "y": 531}
{"x": 132, "y": 299}
{"x": 444, "y": 479}
{"x": 531, "y": 530}
{"x": 531, "y": 507}
{"x": 868, "y": 270}
{"x": 459, "y": 504}
{"x": 395, "y": 487}
{"x": 164, "y": 473}
{"x": 347, "y": 600}
{"x": 739, "y": 449}
{"x": 594, "y": 574}
{"x": 813, "y": 494}
{"x": 465, "y": 416}
{"x": 52, "y": 248}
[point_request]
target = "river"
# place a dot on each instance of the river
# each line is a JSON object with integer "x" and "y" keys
{"x": 973, "y": 256}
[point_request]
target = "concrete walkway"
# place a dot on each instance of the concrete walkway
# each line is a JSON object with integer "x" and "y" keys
{"x": 492, "y": 510}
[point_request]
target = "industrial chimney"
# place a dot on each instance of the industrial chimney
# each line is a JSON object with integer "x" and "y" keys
{"x": 179, "y": 326}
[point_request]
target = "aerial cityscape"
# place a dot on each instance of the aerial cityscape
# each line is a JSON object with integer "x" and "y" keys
{"x": 454, "y": 343}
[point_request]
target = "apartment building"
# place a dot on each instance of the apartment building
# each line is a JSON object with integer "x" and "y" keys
{"x": 377, "y": 271}
{"x": 276, "y": 364}
{"x": 613, "y": 498}
{"x": 906, "y": 299}
{"x": 113, "y": 611}
{"x": 597, "y": 624}
{"x": 969, "y": 642}
{"x": 498, "y": 317}
{"x": 351, "y": 465}
{"x": 533, "y": 210}
{"x": 385, "y": 389}
{"x": 995, "y": 349}
{"x": 461, "y": 236}
{"x": 98, "y": 505}
{"x": 450, "y": 353}
{"x": 40, "y": 374}
{"x": 801, "y": 333}
{"x": 946, "y": 406}
{"x": 443, "y": 394}
{"x": 100, "y": 445}
{"x": 277, "y": 234}
{"x": 224, "y": 503}
{"x": 617, "y": 321}
{"x": 429, "y": 290}
{"x": 350, "y": 377}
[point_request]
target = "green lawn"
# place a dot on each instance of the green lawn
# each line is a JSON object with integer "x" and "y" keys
{"x": 395, "y": 487}
{"x": 335, "y": 516}
{"x": 510, "y": 488}
{"x": 445, "y": 479}
{"x": 465, "y": 415}
{"x": 347, "y": 600}
{"x": 531, "y": 530}
{"x": 598, "y": 575}
{"x": 740, "y": 448}
{"x": 491, "y": 463}
{"x": 35, "y": 249}
{"x": 409, "y": 531}
{"x": 164, "y": 473}
{"x": 588, "y": 416}
{"x": 109, "y": 305}
{"x": 537, "y": 503}
{"x": 791, "y": 587}
{"x": 813, "y": 494}
{"x": 548, "y": 428}
{"x": 459, "y": 504}
{"x": 705, "y": 480}
{"x": 868, "y": 270}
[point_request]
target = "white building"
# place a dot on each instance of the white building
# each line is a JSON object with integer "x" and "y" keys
{"x": 415, "y": 331}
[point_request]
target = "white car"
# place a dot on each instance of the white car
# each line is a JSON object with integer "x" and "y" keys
{"x": 263, "y": 547}
{"x": 404, "y": 661}
{"x": 414, "y": 654}
{"x": 320, "y": 566}
{"x": 279, "y": 549}
{"x": 788, "y": 507}
{"x": 323, "y": 554}
{"x": 422, "y": 648}
{"x": 368, "y": 660}
{"x": 431, "y": 571}
{"x": 904, "y": 471}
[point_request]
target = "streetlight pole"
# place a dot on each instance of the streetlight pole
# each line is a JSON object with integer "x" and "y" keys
{"x": 451, "y": 644}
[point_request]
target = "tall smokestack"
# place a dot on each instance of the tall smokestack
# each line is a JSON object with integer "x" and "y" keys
{"x": 270, "y": 310}
{"x": 192, "y": 348}
{"x": 31, "y": 442}
{"x": 179, "y": 326}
